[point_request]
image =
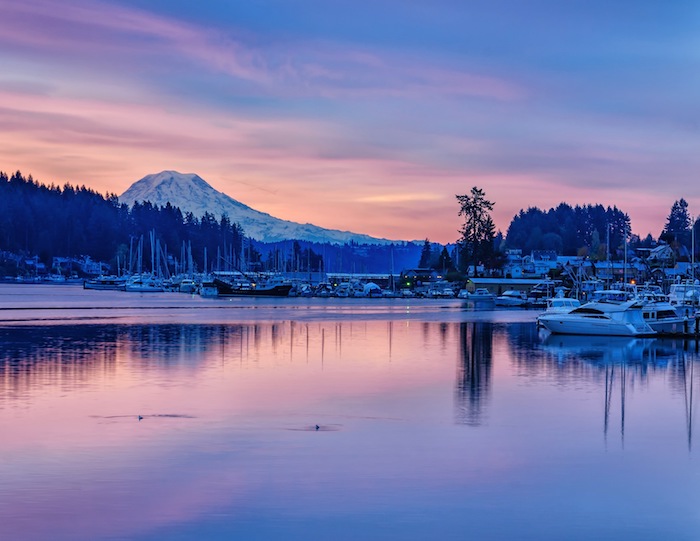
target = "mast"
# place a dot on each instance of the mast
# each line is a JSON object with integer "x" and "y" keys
{"x": 625, "y": 245}
{"x": 692, "y": 257}
{"x": 153, "y": 252}
{"x": 607, "y": 252}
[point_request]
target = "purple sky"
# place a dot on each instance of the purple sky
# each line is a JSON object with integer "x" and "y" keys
{"x": 367, "y": 116}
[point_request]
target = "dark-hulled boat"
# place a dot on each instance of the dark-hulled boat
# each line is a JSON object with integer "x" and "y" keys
{"x": 270, "y": 288}
{"x": 109, "y": 283}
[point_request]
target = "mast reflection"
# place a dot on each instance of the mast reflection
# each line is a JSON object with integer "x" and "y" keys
{"x": 623, "y": 364}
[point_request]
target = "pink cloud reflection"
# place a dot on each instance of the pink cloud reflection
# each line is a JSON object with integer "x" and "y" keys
{"x": 80, "y": 467}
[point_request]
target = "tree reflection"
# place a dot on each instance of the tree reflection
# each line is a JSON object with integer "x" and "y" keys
{"x": 33, "y": 357}
{"x": 475, "y": 371}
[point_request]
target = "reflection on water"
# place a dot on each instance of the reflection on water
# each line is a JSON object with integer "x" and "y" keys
{"x": 31, "y": 357}
{"x": 474, "y": 373}
{"x": 376, "y": 429}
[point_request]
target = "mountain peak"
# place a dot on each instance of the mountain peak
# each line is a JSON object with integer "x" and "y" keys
{"x": 191, "y": 193}
{"x": 168, "y": 178}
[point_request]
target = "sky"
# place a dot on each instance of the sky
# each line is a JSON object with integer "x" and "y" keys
{"x": 367, "y": 116}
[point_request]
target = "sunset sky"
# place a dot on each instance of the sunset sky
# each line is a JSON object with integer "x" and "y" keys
{"x": 366, "y": 115}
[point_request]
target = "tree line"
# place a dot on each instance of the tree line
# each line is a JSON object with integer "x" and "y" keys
{"x": 586, "y": 230}
{"x": 66, "y": 221}
{"x": 592, "y": 231}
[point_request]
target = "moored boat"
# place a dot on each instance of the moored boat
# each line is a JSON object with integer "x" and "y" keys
{"x": 512, "y": 297}
{"x": 659, "y": 313}
{"x": 561, "y": 305}
{"x": 107, "y": 283}
{"x": 480, "y": 294}
{"x": 144, "y": 284}
{"x": 208, "y": 290}
{"x": 187, "y": 285}
{"x": 685, "y": 297}
{"x": 600, "y": 318}
{"x": 270, "y": 288}
{"x": 323, "y": 289}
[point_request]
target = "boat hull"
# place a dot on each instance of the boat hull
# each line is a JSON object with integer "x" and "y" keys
{"x": 227, "y": 290}
{"x": 105, "y": 285}
{"x": 669, "y": 326}
{"x": 144, "y": 288}
{"x": 500, "y": 301}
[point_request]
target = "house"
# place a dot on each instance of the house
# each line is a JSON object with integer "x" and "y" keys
{"x": 540, "y": 262}
{"x": 662, "y": 255}
{"x": 419, "y": 276}
{"x": 514, "y": 266}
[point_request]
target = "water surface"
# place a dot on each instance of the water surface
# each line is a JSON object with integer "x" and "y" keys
{"x": 127, "y": 416}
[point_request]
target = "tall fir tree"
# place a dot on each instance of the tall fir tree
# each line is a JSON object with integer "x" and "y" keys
{"x": 478, "y": 230}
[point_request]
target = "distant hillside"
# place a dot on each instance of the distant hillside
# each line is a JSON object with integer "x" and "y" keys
{"x": 193, "y": 194}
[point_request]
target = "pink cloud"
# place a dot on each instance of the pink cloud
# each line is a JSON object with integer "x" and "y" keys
{"x": 100, "y": 31}
{"x": 332, "y": 71}
{"x": 93, "y": 96}
{"x": 95, "y": 30}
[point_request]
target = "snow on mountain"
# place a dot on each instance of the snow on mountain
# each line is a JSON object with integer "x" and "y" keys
{"x": 192, "y": 194}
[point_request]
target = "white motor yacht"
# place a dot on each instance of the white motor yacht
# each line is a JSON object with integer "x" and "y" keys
{"x": 561, "y": 305}
{"x": 144, "y": 284}
{"x": 600, "y": 318}
{"x": 659, "y": 313}
{"x": 480, "y": 294}
{"x": 512, "y": 297}
{"x": 685, "y": 297}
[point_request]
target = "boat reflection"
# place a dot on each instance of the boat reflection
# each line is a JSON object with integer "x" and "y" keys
{"x": 608, "y": 349}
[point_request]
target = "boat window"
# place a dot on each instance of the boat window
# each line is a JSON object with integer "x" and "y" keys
{"x": 665, "y": 314}
{"x": 586, "y": 310}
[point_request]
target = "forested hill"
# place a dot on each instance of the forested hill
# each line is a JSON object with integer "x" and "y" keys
{"x": 68, "y": 221}
{"x": 567, "y": 230}
{"x": 53, "y": 221}
{"x": 72, "y": 221}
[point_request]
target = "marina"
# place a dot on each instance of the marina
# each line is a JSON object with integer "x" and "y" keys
{"x": 317, "y": 271}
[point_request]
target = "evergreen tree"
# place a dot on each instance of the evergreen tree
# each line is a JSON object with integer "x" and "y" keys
{"x": 478, "y": 230}
{"x": 677, "y": 229}
{"x": 73, "y": 221}
{"x": 425, "y": 255}
{"x": 444, "y": 262}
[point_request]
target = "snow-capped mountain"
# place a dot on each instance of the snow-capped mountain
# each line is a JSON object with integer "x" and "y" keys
{"x": 192, "y": 194}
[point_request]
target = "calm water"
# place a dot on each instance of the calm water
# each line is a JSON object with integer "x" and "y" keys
{"x": 435, "y": 421}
